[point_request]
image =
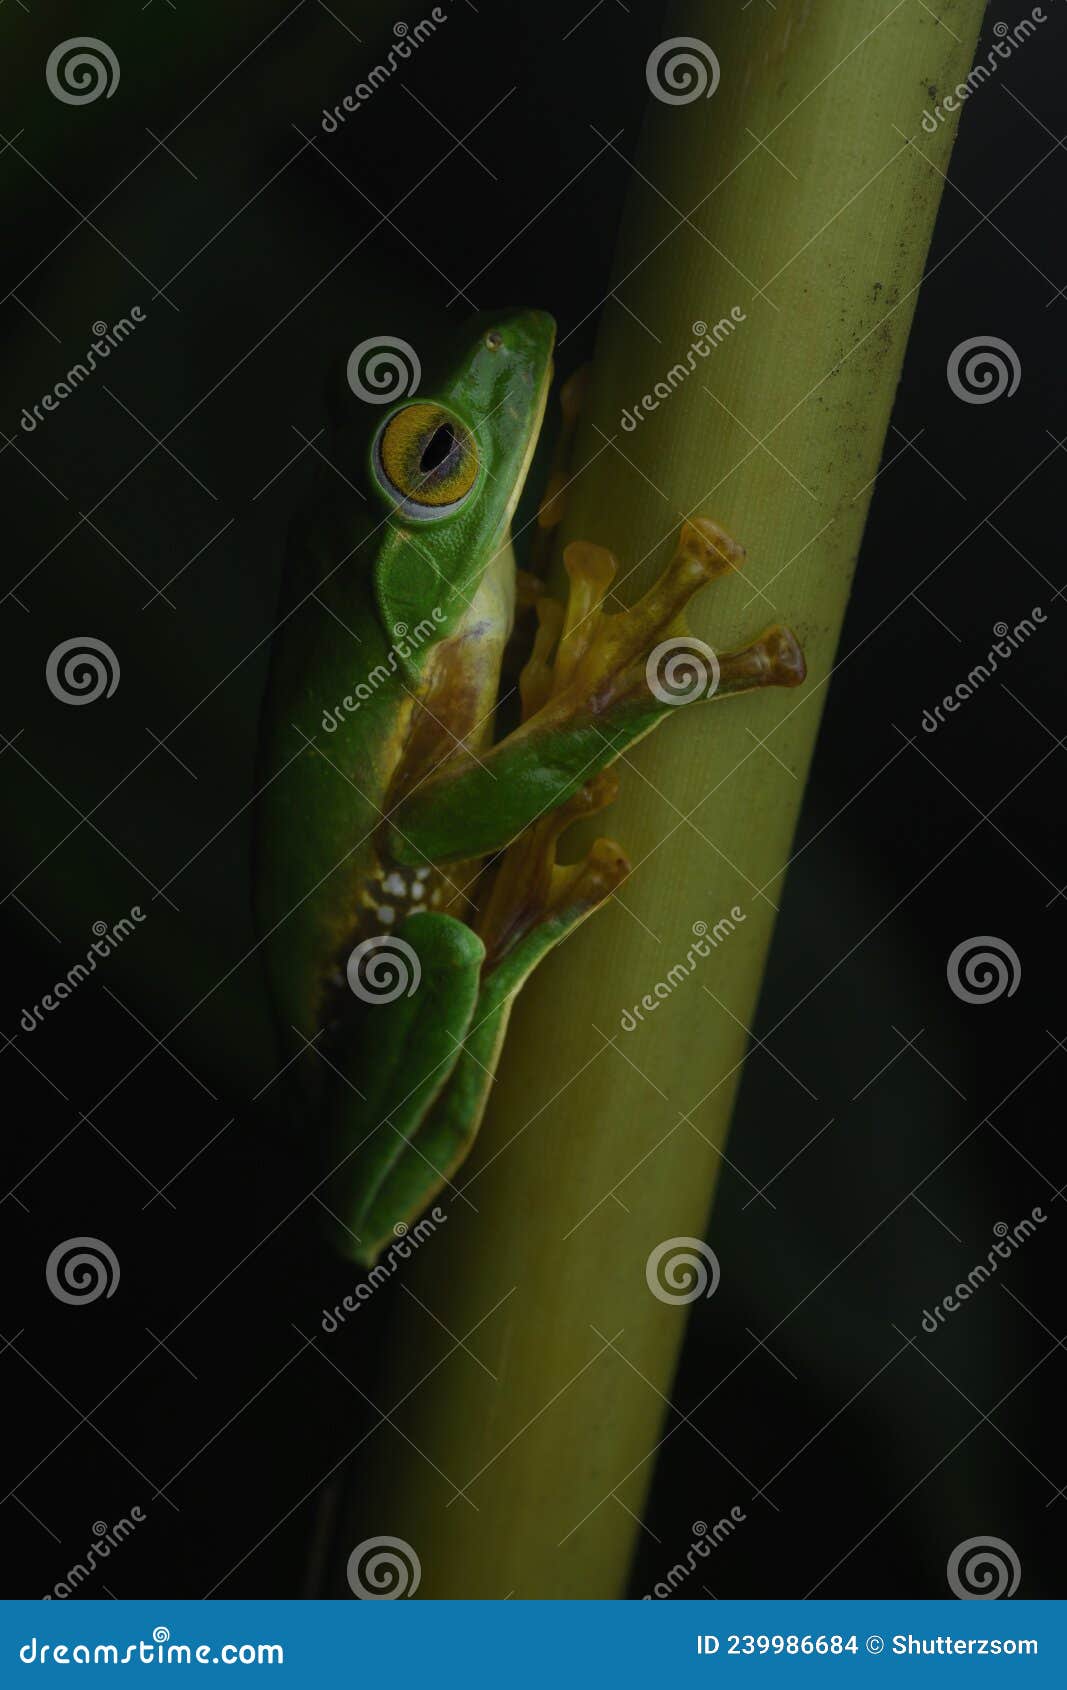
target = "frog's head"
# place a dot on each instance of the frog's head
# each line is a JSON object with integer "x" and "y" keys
{"x": 448, "y": 465}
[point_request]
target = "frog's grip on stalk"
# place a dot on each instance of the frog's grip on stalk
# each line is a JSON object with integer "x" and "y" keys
{"x": 530, "y": 886}
{"x": 591, "y": 689}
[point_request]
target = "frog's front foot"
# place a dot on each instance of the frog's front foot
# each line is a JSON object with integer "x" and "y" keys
{"x": 595, "y": 683}
{"x": 645, "y": 658}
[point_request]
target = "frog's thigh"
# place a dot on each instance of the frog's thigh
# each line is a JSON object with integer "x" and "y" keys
{"x": 413, "y": 996}
{"x": 533, "y": 906}
{"x": 426, "y": 1162}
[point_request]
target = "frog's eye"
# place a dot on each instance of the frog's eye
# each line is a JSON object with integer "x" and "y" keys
{"x": 426, "y": 460}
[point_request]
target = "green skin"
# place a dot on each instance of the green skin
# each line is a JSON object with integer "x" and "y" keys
{"x": 358, "y": 825}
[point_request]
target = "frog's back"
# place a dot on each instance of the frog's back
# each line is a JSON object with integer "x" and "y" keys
{"x": 335, "y": 714}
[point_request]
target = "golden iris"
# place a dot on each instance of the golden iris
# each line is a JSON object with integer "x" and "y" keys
{"x": 427, "y": 458}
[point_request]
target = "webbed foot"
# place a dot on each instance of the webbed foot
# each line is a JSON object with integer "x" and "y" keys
{"x": 595, "y": 683}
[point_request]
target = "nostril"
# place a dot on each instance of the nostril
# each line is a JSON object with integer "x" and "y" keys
{"x": 437, "y": 448}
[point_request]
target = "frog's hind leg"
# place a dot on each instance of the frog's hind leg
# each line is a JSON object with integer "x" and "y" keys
{"x": 534, "y": 903}
{"x": 596, "y": 683}
{"x": 390, "y": 1050}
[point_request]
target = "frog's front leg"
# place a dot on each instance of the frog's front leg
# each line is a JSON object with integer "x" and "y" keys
{"x": 598, "y": 682}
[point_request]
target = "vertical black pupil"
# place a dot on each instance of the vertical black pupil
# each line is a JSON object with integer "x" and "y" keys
{"x": 437, "y": 448}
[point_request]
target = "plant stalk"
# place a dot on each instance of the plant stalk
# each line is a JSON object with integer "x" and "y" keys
{"x": 802, "y": 194}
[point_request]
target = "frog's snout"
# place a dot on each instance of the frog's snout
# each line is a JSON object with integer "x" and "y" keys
{"x": 524, "y": 332}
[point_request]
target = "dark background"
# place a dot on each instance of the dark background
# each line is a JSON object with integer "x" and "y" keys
{"x": 860, "y": 1459}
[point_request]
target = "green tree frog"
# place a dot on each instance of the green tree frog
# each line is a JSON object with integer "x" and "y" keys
{"x": 406, "y": 873}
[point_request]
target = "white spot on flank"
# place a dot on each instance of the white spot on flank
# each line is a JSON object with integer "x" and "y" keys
{"x": 394, "y": 884}
{"x": 386, "y": 915}
{"x": 418, "y": 891}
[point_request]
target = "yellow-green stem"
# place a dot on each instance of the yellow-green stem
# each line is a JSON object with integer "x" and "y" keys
{"x": 803, "y": 194}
